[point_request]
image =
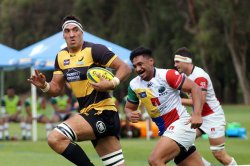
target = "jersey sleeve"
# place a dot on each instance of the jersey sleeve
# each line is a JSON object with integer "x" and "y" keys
{"x": 174, "y": 79}
{"x": 131, "y": 97}
{"x": 57, "y": 69}
{"x": 102, "y": 55}
{"x": 202, "y": 82}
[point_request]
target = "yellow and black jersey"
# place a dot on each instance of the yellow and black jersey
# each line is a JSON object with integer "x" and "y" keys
{"x": 74, "y": 68}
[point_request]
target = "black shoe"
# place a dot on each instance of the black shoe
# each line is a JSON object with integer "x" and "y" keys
{"x": 7, "y": 138}
{"x": 24, "y": 138}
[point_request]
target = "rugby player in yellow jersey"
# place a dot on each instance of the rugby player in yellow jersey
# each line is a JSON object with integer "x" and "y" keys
{"x": 98, "y": 119}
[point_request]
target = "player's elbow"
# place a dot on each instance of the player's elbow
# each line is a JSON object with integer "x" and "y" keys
{"x": 126, "y": 71}
{"x": 196, "y": 90}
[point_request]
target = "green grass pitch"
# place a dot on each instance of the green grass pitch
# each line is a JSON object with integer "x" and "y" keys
{"x": 136, "y": 151}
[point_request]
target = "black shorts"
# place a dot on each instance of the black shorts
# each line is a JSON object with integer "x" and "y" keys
{"x": 105, "y": 124}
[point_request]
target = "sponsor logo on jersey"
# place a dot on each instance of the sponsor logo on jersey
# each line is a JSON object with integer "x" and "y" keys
{"x": 213, "y": 129}
{"x": 161, "y": 89}
{"x": 143, "y": 94}
{"x": 80, "y": 59}
{"x": 66, "y": 62}
{"x": 149, "y": 84}
{"x": 73, "y": 75}
{"x": 171, "y": 128}
{"x": 101, "y": 128}
{"x": 155, "y": 101}
{"x": 79, "y": 63}
{"x": 203, "y": 84}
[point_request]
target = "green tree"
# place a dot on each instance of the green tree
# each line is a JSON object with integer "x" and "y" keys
{"x": 25, "y": 21}
{"x": 221, "y": 35}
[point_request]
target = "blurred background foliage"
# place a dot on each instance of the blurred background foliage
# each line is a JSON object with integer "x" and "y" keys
{"x": 218, "y": 33}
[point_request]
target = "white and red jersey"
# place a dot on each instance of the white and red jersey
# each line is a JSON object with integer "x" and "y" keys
{"x": 160, "y": 96}
{"x": 201, "y": 78}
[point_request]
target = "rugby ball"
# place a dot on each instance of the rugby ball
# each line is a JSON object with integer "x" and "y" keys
{"x": 92, "y": 74}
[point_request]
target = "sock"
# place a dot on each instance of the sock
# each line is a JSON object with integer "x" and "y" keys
{"x": 205, "y": 162}
{"x": 6, "y": 129}
{"x": 23, "y": 129}
{"x": 76, "y": 155}
{"x": 28, "y": 131}
{"x": 233, "y": 162}
{"x": 48, "y": 128}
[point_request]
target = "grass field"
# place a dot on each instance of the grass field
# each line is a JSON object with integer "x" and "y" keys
{"x": 136, "y": 151}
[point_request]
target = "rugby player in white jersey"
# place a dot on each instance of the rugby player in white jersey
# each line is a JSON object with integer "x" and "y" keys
{"x": 158, "y": 90}
{"x": 212, "y": 113}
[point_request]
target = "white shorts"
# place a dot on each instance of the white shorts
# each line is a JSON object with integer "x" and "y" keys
{"x": 181, "y": 132}
{"x": 214, "y": 124}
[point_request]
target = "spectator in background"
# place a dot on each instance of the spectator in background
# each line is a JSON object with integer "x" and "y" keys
{"x": 212, "y": 113}
{"x": 74, "y": 104}
{"x": 41, "y": 115}
{"x": 11, "y": 112}
{"x": 62, "y": 106}
{"x": 1, "y": 125}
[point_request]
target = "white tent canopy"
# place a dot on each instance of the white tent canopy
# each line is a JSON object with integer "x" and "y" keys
{"x": 8, "y": 61}
{"x": 41, "y": 55}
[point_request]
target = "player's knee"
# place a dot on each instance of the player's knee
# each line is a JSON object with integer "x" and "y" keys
{"x": 55, "y": 139}
{"x": 219, "y": 152}
{"x": 66, "y": 131}
{"x": 152, "y": 160}
{"x": 52, "y": 138}
{"x": 219, "y": 155}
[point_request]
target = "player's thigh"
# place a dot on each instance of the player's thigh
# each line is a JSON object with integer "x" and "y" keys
{"x": 217, "y": 141}
{"x": 193, "y": 160}
{"x": 198, "y": 133}
{"x": 166, "y": 149}
{"x": 81, "y": 127}
{"x": 107, "y": 145}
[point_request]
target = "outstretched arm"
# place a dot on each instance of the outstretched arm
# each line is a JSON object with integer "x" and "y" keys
{"x": 53, "y": 88}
